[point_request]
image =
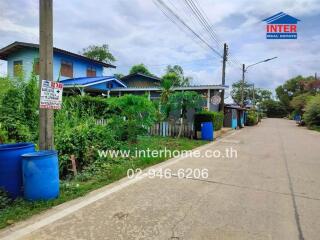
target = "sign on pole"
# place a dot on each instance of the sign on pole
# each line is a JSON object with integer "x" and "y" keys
{"x": 51, "y": 95}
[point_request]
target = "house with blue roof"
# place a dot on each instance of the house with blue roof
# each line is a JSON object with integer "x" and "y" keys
{"x": 25, "y": 56}
{"x": 81, "y": 75}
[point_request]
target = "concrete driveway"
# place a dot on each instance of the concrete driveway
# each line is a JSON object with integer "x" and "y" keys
{"x": 270, "y": 191}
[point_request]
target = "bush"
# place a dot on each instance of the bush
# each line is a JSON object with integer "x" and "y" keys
{"x": 76, "y": 131}
{"x": 206, "y": 116}
{"x": 273, "y": 109}
{"x": 12, "y": 117}
{"x": 19, "y": 110}
{"x": 4, "y": 199}
{"x": 312, "y": 113}
{"x": 83, "y": 106}
{"x": 83, "y": 140}
{"x": 252, "y": 118}
{"x": 134, "y": 115}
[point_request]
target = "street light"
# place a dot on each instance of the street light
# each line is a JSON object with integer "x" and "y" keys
{"x": 244, "y": 69}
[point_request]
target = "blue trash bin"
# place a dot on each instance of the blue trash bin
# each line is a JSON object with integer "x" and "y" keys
{"x": 11, "y": 167}
{"x": 40, "y": 175}
{"x": 207, "y": 131}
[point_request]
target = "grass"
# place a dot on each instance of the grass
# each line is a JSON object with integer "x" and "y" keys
{"x": 315, "y": 128}
{"x": 98, "y": 175}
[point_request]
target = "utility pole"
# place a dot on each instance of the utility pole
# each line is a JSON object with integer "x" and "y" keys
{"x": 224, "y": 62}
{"x": 242, "y": 84}
{"x": 46, "y": 72}
{"x": 315, "y": 76}
{"x": 253, "y": 97}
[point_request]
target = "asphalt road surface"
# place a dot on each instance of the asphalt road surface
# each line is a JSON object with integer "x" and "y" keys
{"x": 269, "y": 189}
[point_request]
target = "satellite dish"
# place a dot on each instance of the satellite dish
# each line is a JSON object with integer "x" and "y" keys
{"x": 216, "y": 99}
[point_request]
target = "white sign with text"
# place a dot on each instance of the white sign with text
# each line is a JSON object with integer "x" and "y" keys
{"x": 51, "y": 94}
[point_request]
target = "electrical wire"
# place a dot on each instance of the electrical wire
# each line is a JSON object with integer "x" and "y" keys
{"x": 181, "y": 21}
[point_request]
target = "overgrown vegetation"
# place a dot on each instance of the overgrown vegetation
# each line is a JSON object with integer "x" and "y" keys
{"x": 299, "y": 96}
{"x": 312, "y": 112}
{"x": 273, "y": 108}
{"x": 101, "y": 172}
{"x": 84, "y": 126}
{"x": 252, "y": 118}
{"x": 19, "y": 109}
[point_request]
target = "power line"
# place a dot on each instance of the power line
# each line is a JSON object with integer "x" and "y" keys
{"x": 169, "y": 10}
{"x": 206, "y": 19}
{"x": 178, "y": 25}
{"x": 203, "y": 20}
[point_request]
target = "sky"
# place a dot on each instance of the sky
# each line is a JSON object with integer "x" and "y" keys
{"x": 138, "y": 32}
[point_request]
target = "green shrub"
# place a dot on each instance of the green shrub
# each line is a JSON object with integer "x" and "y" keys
{"x": 4, "y": 199}
{"x": 252, "y": 118}
{"x": 83, "y": 140}
{"x": 77, "y": 133}
{"x": 206, "y": 116}
{"x": 134, "y": 115}
{"x": 12, "y": 117}
{"x": 312, "y": 112}
{"x": 83, "y": 106}
{"x": 273, "y": 109}
{"x": 31, "y": 104}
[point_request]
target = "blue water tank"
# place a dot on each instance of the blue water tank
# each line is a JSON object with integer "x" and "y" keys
{"x": 40, "y": 175}
{"x": 11, "y": 167}
{"x": 207, "y": 131}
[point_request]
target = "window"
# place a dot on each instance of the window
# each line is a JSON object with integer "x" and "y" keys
{"x": 36, "y": 66}
{"x": 17, "y": 68}
{"x": 109, "y": 85}
{"x": 91, "y": 72}
{"x": 66, "y": 69}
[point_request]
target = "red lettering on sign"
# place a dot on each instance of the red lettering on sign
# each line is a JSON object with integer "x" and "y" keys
{"x": 281, "y": 28}
{"x": 293, "y": 28}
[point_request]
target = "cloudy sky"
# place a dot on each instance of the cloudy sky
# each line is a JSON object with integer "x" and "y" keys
{"x": 138, "y": 32}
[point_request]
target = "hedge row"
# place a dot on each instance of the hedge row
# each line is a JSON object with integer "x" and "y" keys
{"x": 206, "y": 116}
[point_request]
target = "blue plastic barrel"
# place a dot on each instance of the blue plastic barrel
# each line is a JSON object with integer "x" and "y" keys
{"x": 207, "y": 131}
{"x": 40, "y": 175}
{"x": 11, "y": 167}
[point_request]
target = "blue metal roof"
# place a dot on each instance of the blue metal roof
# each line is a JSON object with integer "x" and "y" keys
{"x": 88, "y": 81}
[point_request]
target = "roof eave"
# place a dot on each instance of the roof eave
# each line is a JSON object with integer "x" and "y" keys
{"x": 3, "y": 56}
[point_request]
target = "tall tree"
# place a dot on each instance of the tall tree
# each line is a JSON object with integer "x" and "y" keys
{"x": 140, "y": 68}
{"x": 99, "y": 53}
{"x": 259, "y": 94}
{"x": 180, "y": 80}
{"x": 292, "y": 88}
{"x": 118, "y": 75}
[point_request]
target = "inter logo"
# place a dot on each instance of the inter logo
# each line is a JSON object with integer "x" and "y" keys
{"x": 281, "y": 26}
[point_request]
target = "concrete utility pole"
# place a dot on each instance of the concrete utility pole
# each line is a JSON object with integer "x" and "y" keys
{"x": 253, "y": 97}
{"x": 46, "y": 72}
{"x": 242, "y": 84}
{"x": 225, "y": 58}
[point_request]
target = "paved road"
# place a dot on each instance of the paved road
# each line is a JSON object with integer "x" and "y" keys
{"x": 270, "y": 191}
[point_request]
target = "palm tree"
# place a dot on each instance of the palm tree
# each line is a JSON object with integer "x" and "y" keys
{"x": 182, "y": 101}
{"x": 166, "y": 91}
